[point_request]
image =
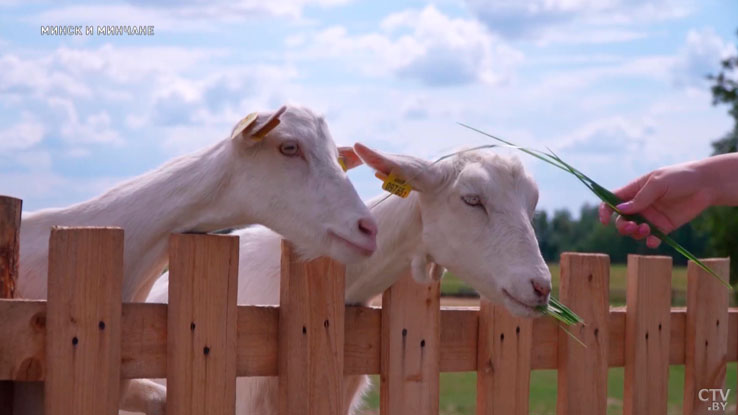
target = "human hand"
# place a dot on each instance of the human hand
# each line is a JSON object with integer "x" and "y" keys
{"x": 668, "y": 198}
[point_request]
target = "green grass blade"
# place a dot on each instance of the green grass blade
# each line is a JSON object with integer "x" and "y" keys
{"x": 682, "y": 250}
{"x": 560, "y": 312}
{"x": 572, "y": 336}
{"x": 535, "y": 153}
{"x": 563, "y": 314}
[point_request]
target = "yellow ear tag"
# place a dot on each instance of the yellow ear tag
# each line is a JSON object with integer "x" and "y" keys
{"x": 342, "y": 163}
{"x": 244, "y": 124}
{"x": 396, "y": 185}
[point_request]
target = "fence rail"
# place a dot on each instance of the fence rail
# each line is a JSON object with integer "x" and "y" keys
{"x": 144, "y": 340}
{"x": 82, "y": 341}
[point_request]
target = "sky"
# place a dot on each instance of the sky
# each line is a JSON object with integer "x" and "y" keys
{"x": 616, "y": 87}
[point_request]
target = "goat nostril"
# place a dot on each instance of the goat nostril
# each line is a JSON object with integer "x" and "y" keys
{"x": 542, "y": 290}
{"x": 367, "y": 227}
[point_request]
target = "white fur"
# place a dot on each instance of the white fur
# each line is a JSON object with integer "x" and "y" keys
{"x": 492, "y": 251}
{"x": 236, "y": 182}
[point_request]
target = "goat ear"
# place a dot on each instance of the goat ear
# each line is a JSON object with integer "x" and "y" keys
{"x": 254, "y": 127}
{"x": 422, "y": 175}
{"x": 349, "y": 158}
{"x": 424, "y": 270}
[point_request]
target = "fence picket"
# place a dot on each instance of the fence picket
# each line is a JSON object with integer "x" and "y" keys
{"x": 10, "y": 220}
{"x": 503, "y": 372}
{"x": 83, "y": 321}
{"x": 201, "y": 324}
{"x": 311, "y": 335}
{"x": 410, "y": 357}
{"x": 582, "y": 375}
{"x": 706, "y": 339}
{"x": 647, "y": 335}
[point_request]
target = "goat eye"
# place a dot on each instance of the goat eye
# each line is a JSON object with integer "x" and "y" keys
{"x": 471, "y": 200}
{"x": 289, "y": 149}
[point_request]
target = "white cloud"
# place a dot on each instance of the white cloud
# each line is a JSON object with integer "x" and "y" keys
{"x": 21, "y": 135}
{"x": 165, "y": 86}
{"x": 609, "y": 136}
{"x": 220, "y": 98}
{"x": 93, "y": 128}
{"x": 106, "y": 72}
{"x": 677, "y": 126}
{"x": 133, "y": 64}
{"x": 701, "y": 55}
{"x": 42, "y": 188}
{"x": 171, "y": 16}
{"x": 595, "y": 36}
{"x": 37, "y": 76}
{"x": 560, "y": 84}
{"x": 536, "y": 17}
{"x": 230, "y": 10}
{"x": 425, "y": 45}
{"x": 165, "y": 100}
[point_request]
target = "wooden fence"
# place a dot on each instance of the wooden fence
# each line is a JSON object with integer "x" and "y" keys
{"x": 82, "y": 341}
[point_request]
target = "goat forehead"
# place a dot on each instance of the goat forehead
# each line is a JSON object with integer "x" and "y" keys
{"x": 299, "y": 122}
{"x": 492, "y": 170}
{"x": 502, "y": 179}
{"x": 311, "y": 130}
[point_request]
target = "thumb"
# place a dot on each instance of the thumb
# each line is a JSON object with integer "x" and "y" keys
{"x": 652, "y": 190}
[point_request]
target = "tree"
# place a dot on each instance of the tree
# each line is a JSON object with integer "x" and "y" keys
{"x": 721, "y": 223}
{"x": 563, "y": 233}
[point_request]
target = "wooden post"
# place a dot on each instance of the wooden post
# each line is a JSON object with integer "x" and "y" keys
{"x": 647, "y": 335}
{"x": 311, "y": 335}
{"x": 503, "y": 362}
{"x": 410, "y": 354}
{"x": 201, "y": 324}
{"x": 582, "y": 375}
{"x": 10, "y": 221}
{"x": 83, "y": 321}
{"x": 706, "y": 339}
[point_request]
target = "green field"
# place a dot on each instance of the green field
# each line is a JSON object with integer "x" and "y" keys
{"x": 458, "y": 390}
{"x": 451, "y": 285}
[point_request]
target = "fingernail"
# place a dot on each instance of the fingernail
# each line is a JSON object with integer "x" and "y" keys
{"x": 630, "y": 227}
{"x": 625, "y": 206}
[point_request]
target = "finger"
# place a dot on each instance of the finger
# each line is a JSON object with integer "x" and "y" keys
{"x": 652, "y": 190}
{"x": 653, "y": 242}
{"x": 642, "y": 231}
{"x": 625, "y": 227}
{"x": 620, "y": 224}
{"x": 605, "y": 213}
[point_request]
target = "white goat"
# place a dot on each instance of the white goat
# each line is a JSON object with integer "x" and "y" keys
{"x": 470, "y": 214}
{"x": 289, "y": 180}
